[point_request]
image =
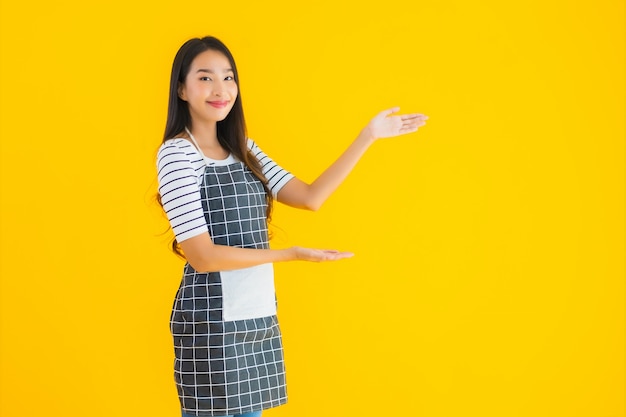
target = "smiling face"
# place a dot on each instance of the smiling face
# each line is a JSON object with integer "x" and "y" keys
{"x": 210, "y": 89}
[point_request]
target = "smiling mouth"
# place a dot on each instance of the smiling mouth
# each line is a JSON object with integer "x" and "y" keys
{"x": 218, "y": 104}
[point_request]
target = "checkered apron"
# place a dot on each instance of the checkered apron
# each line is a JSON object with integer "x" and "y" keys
{"x": 226, "y": 367}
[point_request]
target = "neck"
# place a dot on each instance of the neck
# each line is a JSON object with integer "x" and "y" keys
{"x": 205, "y": 133}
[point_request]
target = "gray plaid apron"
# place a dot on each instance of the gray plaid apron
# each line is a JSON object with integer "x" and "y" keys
{"x": 226, "y": 367}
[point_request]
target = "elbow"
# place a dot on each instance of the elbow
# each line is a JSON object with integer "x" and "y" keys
{"x": 312, "y": 205}
{"x": 199, "y": 266}
{"x": 200, "y": 253}
{"x": 312, "y": 201}
{"x": 203, "y": 264}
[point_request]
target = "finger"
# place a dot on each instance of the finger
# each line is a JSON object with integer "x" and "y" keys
{"x": 336, "y": 255}
{"x": 340, "y": 255}
{"x": 387, "y": 112}
{"x": 411, "y": 127}
{"x": 333, "y": 252}
{"x": 414, "y": 124}
{"x": 343, "y": 254}
{"x": 415, "y": 116}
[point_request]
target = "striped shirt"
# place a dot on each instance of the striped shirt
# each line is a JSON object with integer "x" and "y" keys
{"x": 180, "y": 170}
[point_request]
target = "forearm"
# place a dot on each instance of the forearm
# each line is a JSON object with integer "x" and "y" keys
{"x": 205, "y": 256}
{"x": 224, "y": 258}
{"x": 384, "y": 125}
{"x": 311, "y": 196}
{"x": 335, "y": 174}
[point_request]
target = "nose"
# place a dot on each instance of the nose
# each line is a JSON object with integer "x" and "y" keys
{"x": 218, "y": 89}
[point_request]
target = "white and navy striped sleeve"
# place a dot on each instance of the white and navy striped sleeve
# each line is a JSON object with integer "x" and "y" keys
{"x": 275, "y": 174}
{"x": 179, "y": 170}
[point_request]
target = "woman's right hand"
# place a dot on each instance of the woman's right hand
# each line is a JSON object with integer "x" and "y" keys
{"x": 319, "y": 255}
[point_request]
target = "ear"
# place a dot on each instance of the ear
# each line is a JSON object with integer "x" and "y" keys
{"x": 181, "y": 92}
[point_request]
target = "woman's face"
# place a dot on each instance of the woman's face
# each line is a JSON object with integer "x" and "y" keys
{"x": 209, "y": 89}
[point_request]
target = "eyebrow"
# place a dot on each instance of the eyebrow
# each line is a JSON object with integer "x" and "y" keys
{"x": 213, "y": 72}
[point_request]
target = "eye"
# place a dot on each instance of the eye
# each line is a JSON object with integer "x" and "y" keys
{"x": 229, "y": 78}
{"x": 205, "y": 79}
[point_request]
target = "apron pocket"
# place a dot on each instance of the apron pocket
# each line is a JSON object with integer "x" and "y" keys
{"x": 248, "y": 293}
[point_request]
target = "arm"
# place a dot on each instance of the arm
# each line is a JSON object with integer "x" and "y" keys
{"x": 299, "y": 194}
{"x": 178, "y": 165}
{"x": 204, "y": 256}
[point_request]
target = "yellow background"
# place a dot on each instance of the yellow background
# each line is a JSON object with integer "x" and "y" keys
{"x": 489, "y": 270}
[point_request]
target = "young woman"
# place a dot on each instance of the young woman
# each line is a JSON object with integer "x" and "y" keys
{"x": 217, "y": 188}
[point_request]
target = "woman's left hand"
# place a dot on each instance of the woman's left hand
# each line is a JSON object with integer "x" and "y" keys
{"x": 384, "y": 125}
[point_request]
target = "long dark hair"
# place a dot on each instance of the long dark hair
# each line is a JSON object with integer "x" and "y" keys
{"x": 231, "y": 132}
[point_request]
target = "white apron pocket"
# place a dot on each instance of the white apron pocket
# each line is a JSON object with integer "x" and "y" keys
{"x": 248, "y": 293}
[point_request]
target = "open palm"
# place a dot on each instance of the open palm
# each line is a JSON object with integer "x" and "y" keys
{"x": 384, "y": 125}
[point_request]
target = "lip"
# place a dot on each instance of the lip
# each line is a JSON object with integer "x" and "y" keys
{"x": 218, "y": 104}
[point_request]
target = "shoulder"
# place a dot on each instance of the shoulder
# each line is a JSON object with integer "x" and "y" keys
{"x": 176, "y": 154}
{"x": 177, "y": 147}
{"x": 256, "y": 150}
{"x": 251, "y": 144}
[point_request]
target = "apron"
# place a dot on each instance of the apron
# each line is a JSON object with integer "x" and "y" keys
{"x": 227, "y": 342}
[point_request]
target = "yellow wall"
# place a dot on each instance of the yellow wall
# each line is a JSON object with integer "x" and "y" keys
{"x": 489, "y": 270}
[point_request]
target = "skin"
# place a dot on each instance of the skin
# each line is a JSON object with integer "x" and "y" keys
{"x": 210, "y": 79}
